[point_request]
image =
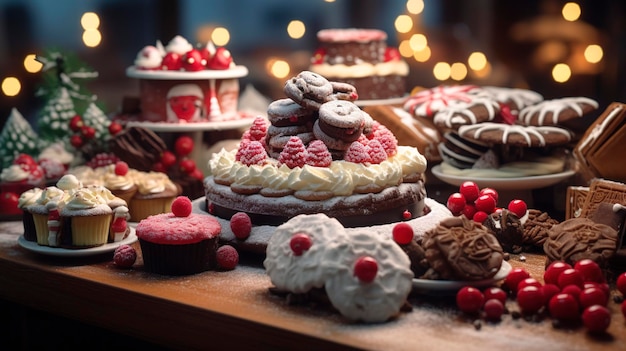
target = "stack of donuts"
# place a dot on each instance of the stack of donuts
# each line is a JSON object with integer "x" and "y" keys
{"x": 316, "y": 108}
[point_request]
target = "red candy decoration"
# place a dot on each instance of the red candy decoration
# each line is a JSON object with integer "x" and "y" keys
{"x": 530, "y": 299}
{"x": 241, "y": 225}
{"x": 485, "y": 203}
{"x": 193, "y": 61}
{"x": 528, "y": 282}
{"x": 293, "y": 154}
{"x": 469, "y": 299}
{"x": 563, "y": 307}
{"x": 299, "y": 243}
{"x": 592, "y": 296}
{"x": 489, "y": 191}
{"x": 494, "y": 309}
{"x": 227, "y": 257}
{"x": 9, "y": 202}
{"x": 570, "y": 277}
{"x": 76, "y": 123}
{"x": 402, "y": 233}
{"x": 172, "y": 62}
{"x": 456, "y": 203}
{"x": 469, "y": 190}
{"x": 365, "y": 269}
{"x": 518, "y": 207}
{"x": 590, "y": 270}
{"x": 181, "y": 206}
{"x": 480, "y": 216}
{"x": 168, "y": 159}
{"x": 318, "y": 155}
{"x": 514, "y": 277}
{"x": 495, "y": 293}
{"x": 551, "y": 275}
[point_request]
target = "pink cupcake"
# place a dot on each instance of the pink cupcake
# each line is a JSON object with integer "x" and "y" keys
{"x": 179, "y": 242}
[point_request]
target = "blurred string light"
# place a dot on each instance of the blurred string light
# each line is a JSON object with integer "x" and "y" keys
{"x": 11, "y": 86}
{"x": 442, "y": 71}
{"x": 477, "y": 61}
{"x": 561, "y": 73}
{"x": 296, "y": 29}
{"x": 403, "y": 24}
{"x": 571, "y": 11}
{"x": 277, "y": 68}
{"x": 90, "y": 22}
{"x": 593, "y": 53}
{"x": 220, "y": 36}
{"x": 458, "y": 71}
{"x": 31, "y": 65}
{"x": 415, "y": 7}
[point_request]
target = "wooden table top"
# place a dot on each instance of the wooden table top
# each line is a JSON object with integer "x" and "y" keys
{"x": 235, "y": 309}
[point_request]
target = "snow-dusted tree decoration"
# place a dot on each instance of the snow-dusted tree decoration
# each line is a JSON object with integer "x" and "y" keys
{"x": 17, "y": 137}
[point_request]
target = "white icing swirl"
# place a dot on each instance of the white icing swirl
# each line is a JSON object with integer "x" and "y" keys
{"x": 83, "y": 199}
{"x": 149, "y": 58}
{"x": 14, "y": 173}
{"x": 69, "y": 182}
{"x": 57, "y": 152}
{"x": 341, "y": 178}
{"x": 179, "y": 45}
{"x": 29, "y": 197}
{"x": 51, "y": 193}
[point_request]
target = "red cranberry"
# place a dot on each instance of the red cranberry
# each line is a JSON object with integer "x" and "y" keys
{"x": 514, "y": 277}
{"x": 551, "y": 275}
{"x": 620, "y": 284}
{"x": 299, "y": 243}
{"x": 469, "y": 299}
{"x": 469, "y": 190}
{"x": 495, "y": 293}
{"x": 485, "y": 203}
{"x": 592, "y": 296}
{"x": 365, "y": 269}
{"x": 596, "y": 318}
{"x": 518, "y": 207}
{"x": 530, "y": 299}
{"x": 402, "y": 233}
{"x": 528, "y": 282}
{"x": 549, "y": 290}
{"x": 563, "y": 307}
{"x": 456, "y": 203}
{"x": 491, "y": 192}
{"x": 570, "y": 276}
{"x": 590, "y": 270}
{"x": 494, "y": 309}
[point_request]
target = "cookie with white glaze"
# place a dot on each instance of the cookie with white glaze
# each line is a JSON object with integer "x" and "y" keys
{"x": 425, "y": 103}
{"x": 517, "y": 135}
{"x": 515, "y": 98}
{"x": 478, "y": 110}
{"x": 556, "y": 111}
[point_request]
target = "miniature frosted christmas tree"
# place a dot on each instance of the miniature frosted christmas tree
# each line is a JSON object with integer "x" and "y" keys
{"x": 54, "y": 122}
{"x": 95, "y": 118}
{"x": 17, "y": 137}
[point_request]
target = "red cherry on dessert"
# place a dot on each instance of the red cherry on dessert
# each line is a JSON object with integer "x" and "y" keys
{"x": 181, "y": 206}
{"x": 406, "y": 215}
{"x": 515, "y": 276}
{"x": 227, "y": 257}
{"x": 183, "y": 145}
{"x": 494, "y": 309}
{"x": 158, "y": 167}
{"x": 402, "y": 233}
{"x": 551, "y": 275}
{"x": 592, "y": 296}
{"x": 469, "y": 190}
{"x": 530, "y": 299}
{"x": 590, "y": 270}
{"x": 241, "y": 225}
{"x": 77, "y": 141}
{"x": 391, "y": 54}
{"x": 27, "y": 162}
{"x": 76, "y": 123}
{"x": 495, "y": 293}
{"x": 469, "y": 211}
{"x": 518, "y": 207}
{"x": 187, "y": 165}
{"x": 548, "y": 291}
{"x": 596, "y": 318}
{"x": 570, "y": 277}
{"x": 9, "y": 202}
{"x": 221, "y": 60}
{"x": 299, "y": 243}
{"x": 168, "y": 158}
{"x": 365, "y": 269}
{"x": 489, "y": 191}
{"x": 485, "y": 203}
{"x": 470, "y": 300}
{"x": 121, "y": 168}
{"x": 115, "y": 128}
{"x": 197, "y": 174}
{"x": 528, "y": 282}
{"x": 172, "y": 62}
{"x": 192, "y": 61}
{"x": 480, "y": 216}
{"x": 88, "y": 132}
{"x": 456, "y": 203}
{"x": 318, "y": 56}
{"x": 563, "y": 307}
{"x": 620, "y": 283}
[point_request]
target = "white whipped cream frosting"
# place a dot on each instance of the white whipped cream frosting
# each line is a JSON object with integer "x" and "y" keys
{"x": 341, "y": 178}
{"x": 179, "y": 45}
{"x": 14, "y": 173}
{"x": 364, "y": 69}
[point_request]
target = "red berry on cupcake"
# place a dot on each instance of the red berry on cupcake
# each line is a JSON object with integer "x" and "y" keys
{"x": 88, "y": 132}
{"x": 489, "y": 191}
{"x": 365, "y": 269}
{"x": 299, "y": 243}
{"x": 168, "y": 159}
{"x": 121, "y": 168}
{"x": 241, "y": 225}
{"x": 181, "y": 206}
{"x": 485, "y": 203}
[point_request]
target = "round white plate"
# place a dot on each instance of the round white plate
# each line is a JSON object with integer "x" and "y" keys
{"x": 451, "y": 286}
{"x": 192, "y": 127}
{"x": 58, "y": 251}
{"x": 517, "y": 183}
{"x": 392, "y": 101}
{"x": 234, "y": 72}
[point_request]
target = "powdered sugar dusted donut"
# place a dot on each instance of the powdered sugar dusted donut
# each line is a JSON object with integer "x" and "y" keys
{"x": 344, "y": 91}
{"x": 286, "y": 112}
{"x": 530, "y": 136}
{"x": 554, "y": 112}
{"x": 478, "y": 110}
{"x": 310, "y": 268}
{"x": 342, "y": 120}
{"x": 309, "y": 89}
{"x": 425, "y": 103}
{"x": 358, "y": 298}
{"x": 331, "y": 142}
{"x": 277, "y": 137}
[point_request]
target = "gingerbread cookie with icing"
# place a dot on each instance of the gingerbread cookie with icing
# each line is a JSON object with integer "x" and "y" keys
{"x": 557, "y": 111}
{"x": 517, "y": 135}
{"x": 514, "y": 98}
{"x": 477, "y": 110}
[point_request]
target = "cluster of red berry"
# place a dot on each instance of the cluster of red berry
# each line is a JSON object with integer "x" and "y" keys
{"x": 568, "y": 295}
{"x": 84, "y": 133}
{"x": 183, "y": 146}
{"x": 207, "y": 57}
{"x": 478, "y": 204}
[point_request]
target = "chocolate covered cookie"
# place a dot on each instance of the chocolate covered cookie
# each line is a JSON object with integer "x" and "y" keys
{"x": 477, "y": 110}
{"x": 556, "y": 111}
{"x": 507, "y": 228}
{"x": 517, "y": 135}
{"x": 309, "y": 89}
{"x": 286, "y": 112}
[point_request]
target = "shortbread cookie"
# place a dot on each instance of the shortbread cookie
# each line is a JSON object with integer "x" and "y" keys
{"x": 557, "y": 111}
{"x": 602, "y": 190}
{"x": 529, "y": 136}
{"x": 477, "y": 110}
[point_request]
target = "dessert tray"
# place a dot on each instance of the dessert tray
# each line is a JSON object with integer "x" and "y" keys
{"x": 429, "y": 286}
{"x": 234, "y": 72}
{"x": 62, "y": 252}
{"x": 245, "y": 121}
{"x": 514, "y": 183}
